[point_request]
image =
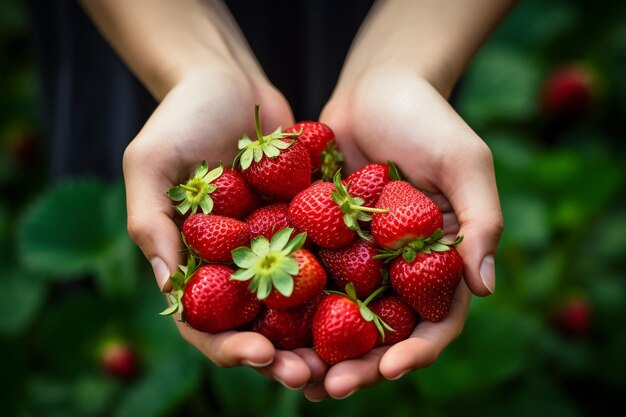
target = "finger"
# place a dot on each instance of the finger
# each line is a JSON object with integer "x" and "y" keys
{"x": 428, "y": 340}
{"x": 314, "y": 362}
{"x": 150, "y": 214}
{"x": 289, "y": 369}
{"x": 231, "y": 348}
{"x": 470, "y": 185}
{"x": 345, "y": 378}
{"x": 316, "y": 392}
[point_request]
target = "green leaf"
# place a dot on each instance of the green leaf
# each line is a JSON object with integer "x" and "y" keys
{"x": 280, "y": 239}
{"x": 246, "y": 158}
{"x": 244, "y": 257}
{"x": 270, "y": 151}
{"x": 214, "y": 174}
{"x": 350, "y": 222}
{"x": 294, "y": 244}
{"x": 243, "y": 274}
{"x": 265, "y": 287}
{"x": 394, "y": 174}
{"x": 290, "y": 266}
{"x": 201, "y": 170}
{"x": 345, "y": 206}
{"x": 409, "y": 254}
{"x": 283, "y": 282}
{"x": 260, "y": 246}
{"x": 206, "y": 205}
{"x": 80, "y": 227}
{"x": 281, "y": 144}
{"x": 244, "y": 142}
{"x": 367, "y": 314}
{"x": 184, "y": 207}
{"x": 176, "y": 193}
{"x": 258, "y": 154}
{"x": 25, "y": 292}
{"x": 438, "y": 247}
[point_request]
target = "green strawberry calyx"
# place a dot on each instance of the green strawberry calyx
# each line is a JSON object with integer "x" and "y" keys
{"x": 196, "y": 192}
{"x": 179, "y": 280}
{"x": 394, "y": 173}
{"x": 433, "y": 243}
{"x": 269, "y": 264}
{"x": 352, "y": 207}
{"x": 365, "y": 311}
{"x": 332, "y": 158}
{"x": 268, "y": 145}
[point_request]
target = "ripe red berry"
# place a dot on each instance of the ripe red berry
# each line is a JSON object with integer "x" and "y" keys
{"x": 568, "y": 92}
{"x": 354, "y": 263}
{"x": 266, "y": 221}
{"x": 368, "y": 182}
{"x": 315, "y": 136}
{"x": 573, "y": 316}
{"x": 119, "y": 360}
{"x": 214, "y": 237}
{"x": 399, "y": 316}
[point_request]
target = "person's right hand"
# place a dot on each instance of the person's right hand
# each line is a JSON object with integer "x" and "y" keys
{"x": 201, "y": 118}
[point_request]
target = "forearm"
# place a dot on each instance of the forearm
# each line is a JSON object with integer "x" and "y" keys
{"x": 432, "y": 37}
{"x": 162, "y": 41}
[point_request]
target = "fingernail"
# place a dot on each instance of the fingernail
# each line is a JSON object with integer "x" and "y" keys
{"x": 399, "y": 376}
{"x": 345, "y": 396}
{"x": 256, "y": 364}
{"x": 488, "y": 273}
{"x": 288, "y": 387}
{"x": 161, "y": 272}
{"x": 313, "y": 400}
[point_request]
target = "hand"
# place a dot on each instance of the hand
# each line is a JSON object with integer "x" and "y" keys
{"x": 390, "y": 113}
{"x": 201, "y": 118}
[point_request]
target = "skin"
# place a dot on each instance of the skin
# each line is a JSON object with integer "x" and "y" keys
{"x": 395, "y": 84}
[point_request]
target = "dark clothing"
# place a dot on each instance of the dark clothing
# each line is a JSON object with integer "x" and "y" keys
{"x": 93, "y": 106}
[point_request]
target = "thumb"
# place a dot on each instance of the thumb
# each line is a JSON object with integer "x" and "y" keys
{"x": 471, "y": 189}
{"x": 150, "y": 223}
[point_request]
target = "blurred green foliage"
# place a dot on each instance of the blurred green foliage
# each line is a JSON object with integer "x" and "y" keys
{"x": 72, "y": 279}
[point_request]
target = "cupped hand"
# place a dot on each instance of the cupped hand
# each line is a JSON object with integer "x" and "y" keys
{"x": 393, "y": 114}
{"x": 201, "y": 118}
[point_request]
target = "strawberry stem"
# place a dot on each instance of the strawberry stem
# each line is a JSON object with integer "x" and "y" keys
{"x": 375, "y": 294}
{"x": 188, "y": 188}
{"x": 257, "y": 123}
{"x": 368, "y": 209}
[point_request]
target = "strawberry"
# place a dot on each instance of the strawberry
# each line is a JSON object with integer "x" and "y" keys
{"x": 427, "y": 278}
{"x": 411, "y": 216}
{"x": 280, "y": 273}
{"x": 573, "y": 316}
{"x": 209, "y": 300}
{"x": 568, "y": 92}
{"x": 220, "y": 191}
{"x": 288, "y": 329}
{"x": 368, "y": 182}
{"x": 119, "y": 360}
{"x": 265, "y": 221}
{"x": 328, "y": 214}
{"x": 319, "y": 140}
{"x": 354, "y": 263}
{"x": 277, "y": 166}
{"x": 344, "y": 327}
{"x": 214, "y": 237}
{"x": 397, "y": 315}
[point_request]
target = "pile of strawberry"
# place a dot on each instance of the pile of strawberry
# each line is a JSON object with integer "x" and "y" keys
{"x": 271, "y": 252}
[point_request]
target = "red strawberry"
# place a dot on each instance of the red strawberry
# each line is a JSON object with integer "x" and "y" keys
{"x": 220, "y": 191}
{"x": 354, "y": 263}
{"x": 119, "y": 360}
{"x": 412, "y": 216}
{"x": 315, "y": 136}
{"x": 280, "y": 273}
{"x": 277, "y": 166}
{"x": 428, "y": 282}
{"x": 214, "y": 237}
{"x": 568, "y": 92}
{"x": 288, "y": 329}
{"x": 368, "y": 182}
{"x": 209, "y": 300}
{"x": 328, "y": 214}
{"x": 573, "y": 316}
{"x": 397, "y": 315}
{"x": 344, "y": 327}
{"x": 265, "y": 221}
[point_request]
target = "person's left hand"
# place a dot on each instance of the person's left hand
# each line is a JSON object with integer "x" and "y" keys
{"x": 393, "y": 114}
